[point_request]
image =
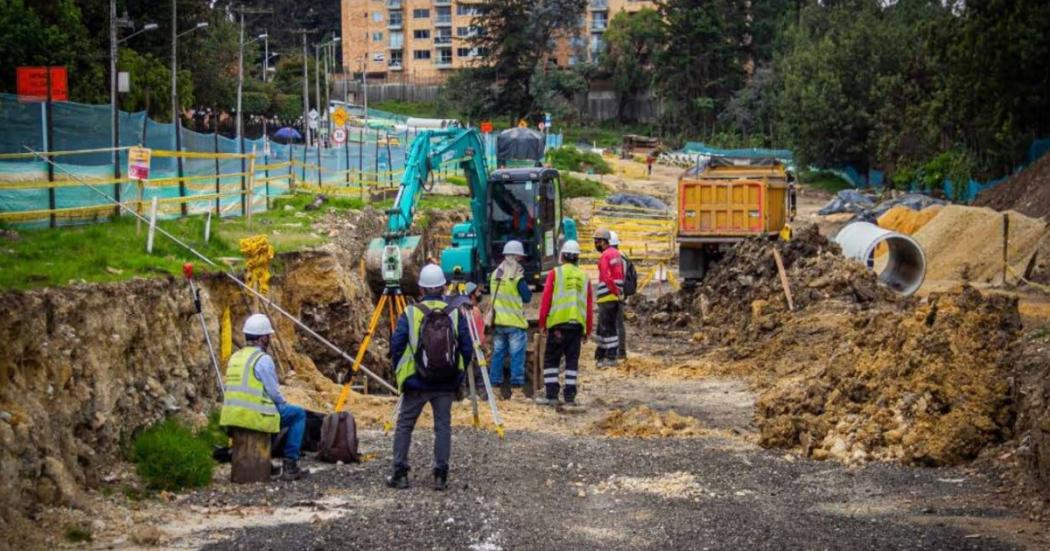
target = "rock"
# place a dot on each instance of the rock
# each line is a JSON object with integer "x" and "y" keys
{"x": 147, "y": 535}
{"x": 57, "y": 486}
{"x": 5, "y": 417}
{"x": 660, "y": 317}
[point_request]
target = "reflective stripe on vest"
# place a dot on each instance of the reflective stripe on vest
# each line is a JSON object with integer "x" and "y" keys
{"x": 507, "y": 302}
{"x": 569, "y": 301}
{"x": 245, "y": 403}
{"x": 603, "y": 293}
{"x": 406, "y": 364}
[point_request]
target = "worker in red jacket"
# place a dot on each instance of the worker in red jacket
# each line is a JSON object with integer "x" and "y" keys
{"x": 565, "y": 320}
{"x": 608, "y": 292}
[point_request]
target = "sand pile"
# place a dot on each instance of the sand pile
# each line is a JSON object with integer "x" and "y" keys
{"x": 907, "y": 221}
{"x": 644, "y": 422}
{"x": 1027, "y": 192}
{"x": 966, "y": 243}
{"x": 670, "y": 485}
{"x": 928, "y": 385}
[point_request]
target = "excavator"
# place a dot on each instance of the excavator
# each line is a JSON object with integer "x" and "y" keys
{"x": 523, "y": 204}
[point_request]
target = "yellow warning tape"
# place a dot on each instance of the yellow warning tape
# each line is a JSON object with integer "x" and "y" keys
{"x": 164, "y": 153}
{"x": 43, "y": 184}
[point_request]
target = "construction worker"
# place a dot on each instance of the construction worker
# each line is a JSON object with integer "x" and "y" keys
{"x": 253, "y": 398}
{"x": 410, "y": 340}
{"x": 621, "y": 331}
{"x": 608, "y": 292}
{"x": 565, "y": 320}
{"x": 510, "y": 292}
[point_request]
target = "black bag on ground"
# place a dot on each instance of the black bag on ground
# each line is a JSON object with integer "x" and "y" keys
{"x": 630, "y": 276}
{"x": 338, "y": 438}
{"x": 438, "y": 346}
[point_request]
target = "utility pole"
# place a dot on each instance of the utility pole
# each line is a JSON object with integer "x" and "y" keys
{"x": 306, "y": 86}
{"x": 176, "y": 120}
{"x": 317, "y": 89}
{"x": 240, "y": 88}
{"x": 115, "y": 130}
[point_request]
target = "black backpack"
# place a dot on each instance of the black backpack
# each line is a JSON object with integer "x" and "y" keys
{"x": 436, "y": 357}
{"x": 630, "y": 276}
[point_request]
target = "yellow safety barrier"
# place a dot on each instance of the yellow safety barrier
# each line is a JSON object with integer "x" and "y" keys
{"x": 44, "y": 184}
{"x": 646, "y": 235}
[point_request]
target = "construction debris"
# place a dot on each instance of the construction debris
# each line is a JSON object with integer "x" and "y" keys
{"x": 644, "y": 422}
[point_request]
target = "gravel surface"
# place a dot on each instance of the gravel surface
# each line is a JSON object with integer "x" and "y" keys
{"x": 543, "y": 491}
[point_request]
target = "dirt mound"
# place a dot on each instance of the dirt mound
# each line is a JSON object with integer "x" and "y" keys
{"x": 1027, "y": 192}
{"x": 966, "y": 243}
{"x": 644, "y": 422}
{"x": 907, "y": 221}
{"x": 927, "y": 385}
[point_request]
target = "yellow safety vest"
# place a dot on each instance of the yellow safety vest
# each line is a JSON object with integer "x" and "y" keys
{"x": 245, "y": 403}
{"x": 569, "y": 300}
{"x": 507, "y": 302}
{"x": 406, "y": 364}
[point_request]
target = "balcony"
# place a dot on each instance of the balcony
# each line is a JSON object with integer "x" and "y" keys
{"x": 443, "y": 20}
{"x": 442, "y": 2}
{"x": 446, "y": 40}
{"x": 396, "y": 67}
{"x": 397, "y": 44}
{"x": 599, "y": 5}
{"x": 396, "y": 4}
{"x": 599, "y": 26}
{"x": 394, "y": 24}
{"x": 443, "y": 63}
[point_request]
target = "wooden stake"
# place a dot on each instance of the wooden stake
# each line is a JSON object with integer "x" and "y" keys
{"x": 152, "y": 225}
{"x": 138, "y": 221}
{"x": 783, "y": 279}
{"x": 1006, "y": 243}
{"x": 251, "y": 187}
{"x": 207, "y": 227}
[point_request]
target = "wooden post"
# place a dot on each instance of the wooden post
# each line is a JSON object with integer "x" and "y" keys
{"x": 249, "y": 199}
{"x": 152, "y": 225}
{"x": 783, "y": 279}
{"x": 1006, "y": 244}
{"x": 138, "y": 209}
{"x": 218, "y": 183}
{"x": 251, "y": 456}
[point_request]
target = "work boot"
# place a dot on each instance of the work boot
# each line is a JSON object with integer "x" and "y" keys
{"x": 291, "y": 470}
{"x": 399, "y": 479}
{"x": 440, "y": 480}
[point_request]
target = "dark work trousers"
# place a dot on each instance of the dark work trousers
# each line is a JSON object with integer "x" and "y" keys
{"x": 608, "y": 342}
{"x": 563, "y": 341}
{"x": 412, "y": 402}
{"x": 621, "y": 334}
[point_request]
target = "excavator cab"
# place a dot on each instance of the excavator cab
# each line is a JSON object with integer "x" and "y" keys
{"x": 525, "y": 205}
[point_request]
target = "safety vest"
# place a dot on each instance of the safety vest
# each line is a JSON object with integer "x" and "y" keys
{"x": 507, "y": 302}
{"x": 569, "y": 301}
{"x": 246, "y": 404}
{"x": 406, "y": 364}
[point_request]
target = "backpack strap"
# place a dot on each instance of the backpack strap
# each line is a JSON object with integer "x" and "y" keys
{"x": 328, "y": 431}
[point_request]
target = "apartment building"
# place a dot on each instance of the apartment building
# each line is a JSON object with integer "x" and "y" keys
{"x": 423, "y": 41}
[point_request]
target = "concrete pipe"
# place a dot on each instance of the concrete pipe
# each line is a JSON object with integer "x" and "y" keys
{"x": 904, "y": 266}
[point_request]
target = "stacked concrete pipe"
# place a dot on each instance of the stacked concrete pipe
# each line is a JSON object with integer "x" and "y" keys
{"x": 905, "y": 267}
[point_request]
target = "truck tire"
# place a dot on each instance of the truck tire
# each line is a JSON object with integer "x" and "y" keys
{"x": 692, "y": 266}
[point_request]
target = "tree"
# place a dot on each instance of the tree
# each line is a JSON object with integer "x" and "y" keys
{"x": 150, "y": 81}
{"x": 632, "y": 43}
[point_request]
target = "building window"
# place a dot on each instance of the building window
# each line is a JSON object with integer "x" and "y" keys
{"x": 377, "y": 37}
{"x": 445, "y": 57}
{"x": 420, "y": 54}
{"x": 464, "y": 52}
{"x": 397, "y": 40}
{"x": 463, "y": 32}
{"x": 396, "y": 59}
{"x": 420, "y": 13}
{"x": 421, "y": 34}
{"x": 444, "y": 15}
{"x": 443, "y": 36}
{"x": 395, "y": 18}
{"x": 467, "y": 9}
{"x": 377, "y": 16}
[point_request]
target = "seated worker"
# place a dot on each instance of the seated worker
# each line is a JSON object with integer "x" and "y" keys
{"x": 253, "y": 398}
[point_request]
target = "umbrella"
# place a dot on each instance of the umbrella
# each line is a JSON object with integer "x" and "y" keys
{"x": 288, "y": 133}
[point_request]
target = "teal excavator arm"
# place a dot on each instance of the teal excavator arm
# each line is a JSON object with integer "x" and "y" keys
{"x": 387, "y": 255}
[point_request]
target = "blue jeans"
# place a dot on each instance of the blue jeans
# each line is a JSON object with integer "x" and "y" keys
{"x": 294, "y": 419}
{"x": 515, "y": 338}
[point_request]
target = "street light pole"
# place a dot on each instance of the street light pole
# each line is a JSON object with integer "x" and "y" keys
{"x": 176, "y": 121}
{"x": 306, "y": 93}
{"x": 317, "y": 89}
{"x": 266, "y": 54}
{"x": 115, "y": 129}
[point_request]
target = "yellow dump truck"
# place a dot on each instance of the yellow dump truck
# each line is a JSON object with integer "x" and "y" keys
{"x": 725, "y": 200}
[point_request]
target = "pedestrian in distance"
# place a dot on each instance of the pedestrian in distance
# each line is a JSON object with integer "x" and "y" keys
{"x": 253, "y": 399}
{"x": 621, "y": 330}
{"x": 566, "y": 319}
{"x": 510, "y": 293}
{"x": 430, "y": 348}
{"x": 608, "y": 293}
{"x": 649, "y": 159}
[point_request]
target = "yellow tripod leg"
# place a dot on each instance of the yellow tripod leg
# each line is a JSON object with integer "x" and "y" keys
{"x": 372, "y": 323}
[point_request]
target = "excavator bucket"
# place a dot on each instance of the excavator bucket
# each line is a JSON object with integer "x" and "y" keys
{"x": 394, "y": 262}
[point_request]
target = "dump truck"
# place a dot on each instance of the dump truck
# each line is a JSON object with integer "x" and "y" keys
{"x": 724, "y": 200}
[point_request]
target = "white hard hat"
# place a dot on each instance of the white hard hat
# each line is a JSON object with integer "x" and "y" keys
{"x": 614, "y": 239}
{"x": 513, "y": 247}
{"x": 431, "y": 276}
{"x": 570, "y": 247}
{"x": 258, "y": 324}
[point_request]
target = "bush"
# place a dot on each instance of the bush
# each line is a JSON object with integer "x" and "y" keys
{"x": 570, "y": 158}
{"x": 572, "y": 186}
{"x": 168, "y": 456}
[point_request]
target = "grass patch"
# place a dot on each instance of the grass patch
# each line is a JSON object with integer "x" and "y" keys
{"x": 78, "y": 534}
{"x": 570, "y": 158}
{"x": 457, "y": 180}
{"x": 169, "y": 456}
{"x": 572, "y": 186}
{"x": 421, "y": 109}
{"x": 822, "y": 179}
{"x": 608, "y": 134}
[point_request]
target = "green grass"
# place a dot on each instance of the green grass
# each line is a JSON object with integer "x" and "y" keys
{"x": 169, "y": 456}
{"x": 78, "y": 534}
{"x": 457, "y": 180}
{"x": 607, "y": 134}
{"x": 421, "y": 109}
{"x": 114, "y": 251}
{"x": 822, "y": 179}
{"x": 572, "y": 186}
{"x": 570, "y": 158}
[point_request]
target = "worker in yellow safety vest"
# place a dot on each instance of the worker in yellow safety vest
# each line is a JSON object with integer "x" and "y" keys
{"x": 510, "y": 293}
{"x": 565, "y": 320}
{"x": 430, "y": 346}
{"x": 253, "y": 399}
